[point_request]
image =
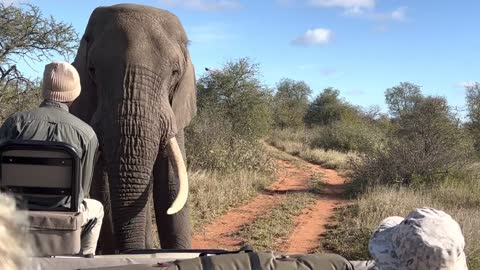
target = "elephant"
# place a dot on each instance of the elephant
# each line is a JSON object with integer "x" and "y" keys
{"x": 138, "y": 94}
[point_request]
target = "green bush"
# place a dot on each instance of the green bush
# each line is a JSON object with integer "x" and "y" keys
{"x": 290, "y": 103}
{"x": 348, "y": 136}
{"x": 233, "y": 114}
{"x": 427, "y": 147}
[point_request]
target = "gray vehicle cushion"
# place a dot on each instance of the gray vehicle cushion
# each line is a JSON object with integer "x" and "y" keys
{"x": 55, "y": 233}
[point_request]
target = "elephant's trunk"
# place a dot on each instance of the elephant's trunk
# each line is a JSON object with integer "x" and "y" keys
{"x": 142, "y": 124}
{"x": 130, "y": 165}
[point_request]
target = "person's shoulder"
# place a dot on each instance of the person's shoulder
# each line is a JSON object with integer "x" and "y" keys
{"x": 82, "y": 125}
{"x": 19, "y": 116}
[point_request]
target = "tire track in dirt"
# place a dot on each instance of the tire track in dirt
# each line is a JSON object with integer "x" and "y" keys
{"x": 309, "y": 226}
{"x": 219, "y": 234}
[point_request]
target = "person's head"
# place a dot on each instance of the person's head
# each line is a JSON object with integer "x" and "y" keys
{"x": 14, "y": 241}
{"x": 61, "y": 83}
{"x": 427, "y": 239}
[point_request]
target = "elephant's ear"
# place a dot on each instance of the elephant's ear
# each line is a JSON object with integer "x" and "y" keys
{"x": 184, "y": 102}
{"x": 84, "y": 106}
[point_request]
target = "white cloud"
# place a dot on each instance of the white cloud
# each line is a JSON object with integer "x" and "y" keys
{"x": 312, "y": 37}
{"x": 204, "y": 5}
{"x": 350, "y": 6}
{"x": 362, "y": 9}
{"x": 400, "y": 14}
{"x": 467, "y": 84}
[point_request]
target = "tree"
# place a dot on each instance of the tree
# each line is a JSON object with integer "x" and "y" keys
{"x": 13, "y": 99}
{"x": 328, "y": 108}
{"x": 235, "y": 92}
{"x": 473, "y": 109}
{"x": 428, "y": 146}
{"x": 25, "y": 35}
{"x": 290, "y": 103}
{"x": 233, "y": 113}
{"x": 402, "y": 99}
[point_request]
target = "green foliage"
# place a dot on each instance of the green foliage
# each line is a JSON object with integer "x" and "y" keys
{"x": 233, "y": 114}
{"x": 337, "y": 125}
{"x": 299, "y": 143}
{"x": 26, "y": 35}
{"x": 290, "y": 103}
{"x": 473, "y": 109}
{"x": 327, "y": 108}
{"x": 356, "y": 135}
{"x": 402, "y": 99}
{"x": 428, "y": 146}
{"x": 235, "y": 92}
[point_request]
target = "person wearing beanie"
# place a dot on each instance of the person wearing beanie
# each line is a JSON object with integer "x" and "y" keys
{"x": 53, "y": 122}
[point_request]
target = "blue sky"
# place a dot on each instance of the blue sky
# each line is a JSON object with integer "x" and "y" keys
{"x": 361, "y": 47}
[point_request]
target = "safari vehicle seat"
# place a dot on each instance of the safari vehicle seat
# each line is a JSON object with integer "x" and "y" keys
{"x": 37, "y": 172}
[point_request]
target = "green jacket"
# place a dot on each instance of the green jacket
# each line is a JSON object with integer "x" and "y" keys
{"x": 52, "y": 122}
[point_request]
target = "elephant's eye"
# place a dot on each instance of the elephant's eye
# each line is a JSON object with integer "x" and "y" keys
{"x": 91, "y": 70}
{"x": 176, "y": 70}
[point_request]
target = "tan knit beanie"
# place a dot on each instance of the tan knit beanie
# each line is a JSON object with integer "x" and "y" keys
{"x": 61, "y": 82}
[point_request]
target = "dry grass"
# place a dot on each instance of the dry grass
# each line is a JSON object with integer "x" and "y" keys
{"x": 329, "y": 159}
{"x": 461, "y": 200}
{"x": 269, "y": 231}
{"x": 212, "y": 193}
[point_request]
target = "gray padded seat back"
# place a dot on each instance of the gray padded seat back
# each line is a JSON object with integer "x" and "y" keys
{"x": 44, "y": 176}
{"x": 28, "y": 175}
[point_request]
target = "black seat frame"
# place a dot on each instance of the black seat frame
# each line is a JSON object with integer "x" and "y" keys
{"x": 73, "y": 160}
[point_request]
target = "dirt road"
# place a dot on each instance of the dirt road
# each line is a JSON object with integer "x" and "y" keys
{"x": 305, "y": 237}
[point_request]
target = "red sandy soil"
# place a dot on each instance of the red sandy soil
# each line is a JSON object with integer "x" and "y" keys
{"x": 309, "y": 225}
{"x": 306, "y": 237}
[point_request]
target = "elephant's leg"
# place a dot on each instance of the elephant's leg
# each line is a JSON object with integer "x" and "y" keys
{"x": 100, "y": 191}
{"x": 174, "y": 231}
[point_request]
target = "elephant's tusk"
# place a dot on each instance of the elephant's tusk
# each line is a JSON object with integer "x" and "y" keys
{"x": 179, "y": 166}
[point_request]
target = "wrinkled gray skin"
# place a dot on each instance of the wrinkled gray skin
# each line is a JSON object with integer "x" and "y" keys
{"x": 138, "y": 90}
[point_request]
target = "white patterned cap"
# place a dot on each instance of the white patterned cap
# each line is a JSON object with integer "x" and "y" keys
{"x": 427, "y": 239}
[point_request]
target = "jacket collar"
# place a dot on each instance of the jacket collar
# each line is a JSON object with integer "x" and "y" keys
{"x": 54, "y": 104}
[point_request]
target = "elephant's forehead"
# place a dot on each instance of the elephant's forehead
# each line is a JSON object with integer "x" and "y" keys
{"x": 134, "y": 18}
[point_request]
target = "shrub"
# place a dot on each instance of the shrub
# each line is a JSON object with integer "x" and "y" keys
{"x": 356, "y": 135}
{"x": 427, "y": 147}
{"x": 327, "y": 108}
{"x": 233, "y": 114}
{"x": 290, "y": 103}
{"x": 212, "y": 144}
{"x": 297, "y": 143}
